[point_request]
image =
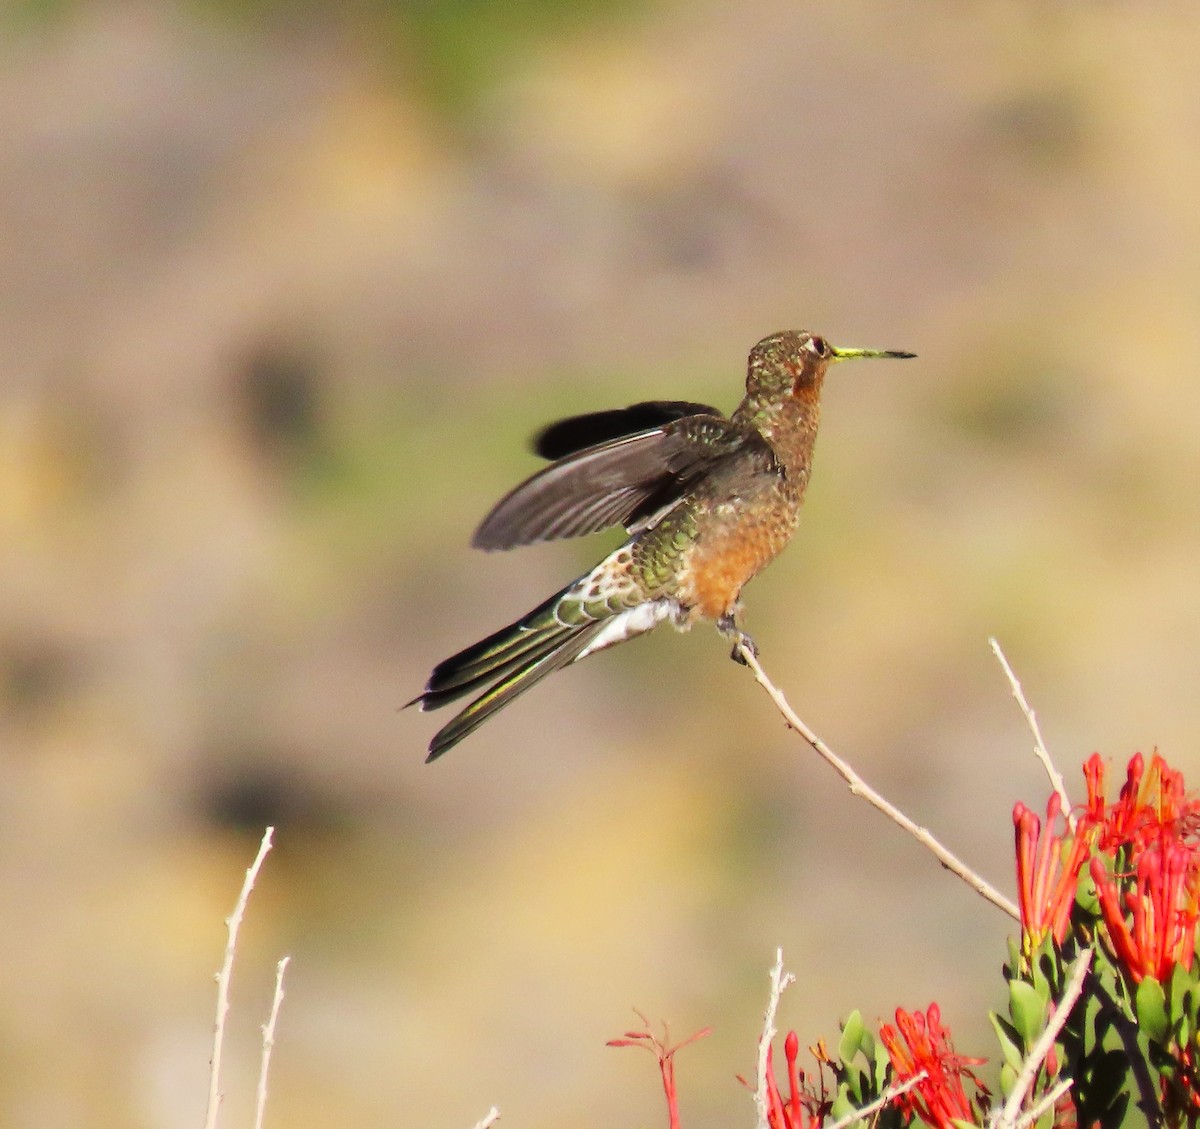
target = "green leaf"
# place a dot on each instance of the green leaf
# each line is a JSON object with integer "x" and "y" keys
{"x": 1008, "y": 1079}
{"x": 1103, "y": 967}
{"x": 1166, "y": 1066}
{"x": 853, "y": 1031}
{"x": 883, "y": 1063}
{"x": 1044, "y": 970}
{"x": 842, "y": 1106}
{"x": 1007, "y": 1036}
{"x": 1014, "y": 958}
{"x": 853, "y": 1081}
{"x": 1150, "y": 1003}
{"x": 1183, "y": 1000}
{"x": 1085, "y": 893}
{"x": 1106, "y": 1032}
{"x": 1028, "y": 1009}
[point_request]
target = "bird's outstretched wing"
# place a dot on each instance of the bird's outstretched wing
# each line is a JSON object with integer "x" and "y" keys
{"x": 628, "y": 477}
{"x": 574, "y": 433}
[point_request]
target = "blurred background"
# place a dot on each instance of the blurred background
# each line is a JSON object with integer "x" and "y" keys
{"x": 284, "y": 289}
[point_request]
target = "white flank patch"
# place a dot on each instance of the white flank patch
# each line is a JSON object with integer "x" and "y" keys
{"x": 625, "y": 625}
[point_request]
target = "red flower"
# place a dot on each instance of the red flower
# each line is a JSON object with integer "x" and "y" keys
{"x": 665, "y": 1054}
{"x": 803, "y": 1108}
{"x": 1150, "y": 893}
{"x": 1150, "y": 804}
{"x": 1162, "y": 899}
{"x": 923, "y": 1044}
{"x": 1048, "y": 870}
{"x": 1093, "y": 773}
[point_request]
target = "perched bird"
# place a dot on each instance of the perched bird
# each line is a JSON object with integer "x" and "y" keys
{"x": 708, "y": 502}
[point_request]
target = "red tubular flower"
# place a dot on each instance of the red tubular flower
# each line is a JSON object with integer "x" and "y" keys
{"x": 665, "y": 1053}
{"x": 923, "y": 1044}
{"x": 1048, "y": 870}
{"x": 784, "y": 1114}
{"x": 1152, "y": 802}
{"x": 1164, "y": 902}
{"x": 1093, "y": 774}
{"x": 1149, "y": 894}
{"x": 1121, "y": 820}
{"x": 807, "y": 1104}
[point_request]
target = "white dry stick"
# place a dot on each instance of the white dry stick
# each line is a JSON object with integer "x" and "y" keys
{"x": 888, "y": 1095}
{"x": 268, "y": 1044}
{"x": 859, "y": 787}
{"x": 232, "y": 923}
{"x": 1030, "y": 1116}
{"x": 1011, "y": 1112}
{"x": 493, "y": 1115}
{"x": 1039, "y": 746}
{"x": 779, "y": 981}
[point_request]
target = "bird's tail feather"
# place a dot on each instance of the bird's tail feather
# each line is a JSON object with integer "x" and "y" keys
{"x": 486, "y": 660}
{"x": 503, "y": 666}
{"x": 520, "y": 673}
{"x": 468, "y": 682}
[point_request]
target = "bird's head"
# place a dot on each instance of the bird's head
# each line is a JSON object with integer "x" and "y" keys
{"x": 793, "y": 363}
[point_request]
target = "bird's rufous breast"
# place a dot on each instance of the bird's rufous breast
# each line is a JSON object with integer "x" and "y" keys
{"x": 729, "y": 554}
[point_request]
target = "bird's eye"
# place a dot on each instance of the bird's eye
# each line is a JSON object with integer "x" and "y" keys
{"x": 818, "y": 346}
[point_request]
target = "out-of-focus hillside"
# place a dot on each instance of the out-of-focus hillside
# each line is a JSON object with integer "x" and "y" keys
{"x": 282, "y": 296}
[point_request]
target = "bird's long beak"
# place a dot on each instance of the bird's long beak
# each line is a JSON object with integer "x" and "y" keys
{"x": 850, "y": 354}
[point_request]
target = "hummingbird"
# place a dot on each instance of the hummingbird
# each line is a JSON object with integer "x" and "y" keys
{"x": 707, "y": 500}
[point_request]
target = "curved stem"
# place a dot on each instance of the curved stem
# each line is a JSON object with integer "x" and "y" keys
{"x": 861, "y": 788}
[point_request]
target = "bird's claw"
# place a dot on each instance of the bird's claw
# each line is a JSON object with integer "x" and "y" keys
{"x": 743, "y": 642}
{"x": 728, "y": 627}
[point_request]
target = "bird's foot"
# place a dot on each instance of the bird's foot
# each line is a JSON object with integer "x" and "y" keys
{"x": 743, "y": 642}
{"x": 727, "y": 625}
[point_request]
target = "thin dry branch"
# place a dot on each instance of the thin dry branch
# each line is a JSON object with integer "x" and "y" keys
{"x": 888, "y": 1095}
{"x": 1039, "y": 746}
{"x": 233, "y": 924}
{"x": 779, "y": 981}
{"x": 490, "y": 1119}
{"x": 1034, "y": 1113}
{"x": 1011, "y": 1113}
{"x": 859, "y": 787}
{"x": 268, "y": 1045}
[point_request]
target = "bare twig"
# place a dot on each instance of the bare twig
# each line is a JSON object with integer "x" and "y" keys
{"x": 233, "y": 923}
{"x": 1039, "y": 746}
{"x": 1030, "y": 1116}
{"x": 888, "y": 1095}
{"x": 859, "y": 787}
{"x": 268, "y": 1044}
{"x": 1009, "y": 1115}
{"x": 779, "y": 981}
{"x": 492, "y": 1116}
